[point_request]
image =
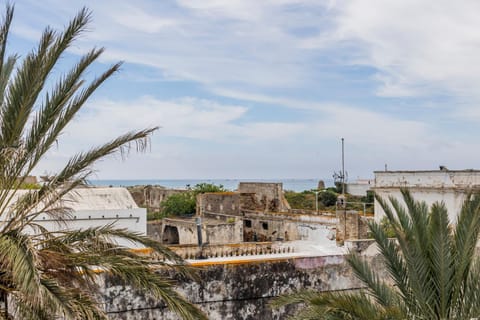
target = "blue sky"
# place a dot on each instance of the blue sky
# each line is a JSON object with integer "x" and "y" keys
{"x": 266, "y": 89}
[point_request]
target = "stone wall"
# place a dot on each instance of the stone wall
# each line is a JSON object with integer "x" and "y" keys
{"x": 237, "y": 290}
{"x": 351, "y": 226}
{"x": 229, "y": 232}
{"x": 151, "y": 197}
{"x": 218, "y": 202}
{"x": 268, "y": 195}
{"x": 286, "y": 226}
{"x": 155, "y": 229}
{"x": 184, "y": 231}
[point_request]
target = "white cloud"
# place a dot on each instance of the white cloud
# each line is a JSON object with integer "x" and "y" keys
{"x": 271, "y": 52}
{"x": 416, "y": 48}
{"x": 419, "y": 47}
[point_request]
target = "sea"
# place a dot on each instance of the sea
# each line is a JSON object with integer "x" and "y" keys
{"x": 297, "y": 185}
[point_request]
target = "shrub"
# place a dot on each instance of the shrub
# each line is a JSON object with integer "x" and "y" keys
{"x": 179, "y": 204}
{"x": 327, "y": 198}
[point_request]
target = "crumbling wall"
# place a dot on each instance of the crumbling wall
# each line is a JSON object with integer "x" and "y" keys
{"x": 351, "y": 226}
{"x": 186, "y": 229}
{"x": 151, "y": 197}
{"x": 263, "y": 228}
{"x": 237, "y": 290}
{"x": 155, "y": 229}
{"x": 268, "y": 195}
{"x": 212, "y": 232}
{"x": 223, "y": 233}
{"x": 218, "y": 202}
{"x": 286, "y": 226}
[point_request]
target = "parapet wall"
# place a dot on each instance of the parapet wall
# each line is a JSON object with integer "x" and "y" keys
{"x": 268, "y": 195}
{"x": 351, "y": 226}
{"x": 151, "y": 197}
{"x": 231, "y": 249}
{"x": 238, "y": 289}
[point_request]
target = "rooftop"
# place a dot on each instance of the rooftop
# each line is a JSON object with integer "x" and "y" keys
{"x": 82, "y": 199}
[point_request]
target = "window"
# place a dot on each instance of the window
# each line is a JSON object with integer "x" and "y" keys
{"x": 248, "y": 223}
{"x": 265, "y": 225}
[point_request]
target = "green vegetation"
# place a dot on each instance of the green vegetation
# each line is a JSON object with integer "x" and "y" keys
{"x": 301, "y": 200}
{"x": 207, "y": 187}
{"x": 432, "y": 263}
{"x": 29, "y": 186}
{"x": 46, "y": 275}
{"x": 387, "y": 227}
{"x": 327, "y": 200}
{"x": 179, "y": 204}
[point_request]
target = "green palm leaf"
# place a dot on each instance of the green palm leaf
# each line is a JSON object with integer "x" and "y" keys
{"x": 431, "y": 263}
{"x": 47, "y": 275}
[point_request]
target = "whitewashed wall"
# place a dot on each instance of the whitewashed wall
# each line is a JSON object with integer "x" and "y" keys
{"x": 449, "y": 187}
{"x": 96, "y": 207}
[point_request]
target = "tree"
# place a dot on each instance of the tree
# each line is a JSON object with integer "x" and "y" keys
{"x": 328, "y": 198}
{"x": 431, "y": 263}
{"x": 207, "y": 187}
{"x": 46, "y": 275}
{"x": 179, "y": 204}
{"x": 185, "y": 203}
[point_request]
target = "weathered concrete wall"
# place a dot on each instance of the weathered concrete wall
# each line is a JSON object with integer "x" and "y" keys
{"x": 237, "y": 290}
{"x": 151, "y": 197}
{"x": 265, "y": 228}
{"x": 449, "y": 186}
{"x": 155, "y": 229}
{"x": 286, "y": 226}
{"x": 269, "y": 195}
{"x": 232, "y": 249}
{"x": 218, "y": 202}
{"x": 232, "y": 203}
{"x": 359, "y": 188}
{"x": 184, "y": 231}
{"x": 224, "y": 232}
{"x": 351, "y": 226}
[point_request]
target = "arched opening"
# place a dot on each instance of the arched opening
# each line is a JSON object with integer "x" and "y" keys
{"x": 170, "y": 235}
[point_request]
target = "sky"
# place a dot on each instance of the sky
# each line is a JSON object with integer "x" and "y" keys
{"x": 266, "y": 89}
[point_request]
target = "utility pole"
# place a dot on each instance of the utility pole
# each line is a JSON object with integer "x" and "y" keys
{"x": 343, "y": 168}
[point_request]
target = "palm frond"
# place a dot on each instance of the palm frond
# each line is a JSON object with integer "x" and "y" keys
{"x": 431, "y": 262}
{"x": 47, "y": 274}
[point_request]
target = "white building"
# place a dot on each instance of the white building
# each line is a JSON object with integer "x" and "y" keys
{"x": 449, "y": 186}
{"x": 94, "y": 207}
{"x": 359, "y": 187}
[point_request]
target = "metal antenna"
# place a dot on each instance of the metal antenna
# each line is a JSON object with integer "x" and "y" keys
{"x": 343, "y": 167}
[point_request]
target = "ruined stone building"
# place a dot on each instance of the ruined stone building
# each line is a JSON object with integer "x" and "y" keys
{"x": 256, "y": 212}
{"x": 253, "y": 248}
{"x": 151, "y": 197}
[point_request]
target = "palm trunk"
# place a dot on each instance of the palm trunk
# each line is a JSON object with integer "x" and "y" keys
{"x": 4, "y": 296}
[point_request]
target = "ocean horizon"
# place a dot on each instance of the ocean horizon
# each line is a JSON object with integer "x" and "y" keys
{"x": 297, "y": 185}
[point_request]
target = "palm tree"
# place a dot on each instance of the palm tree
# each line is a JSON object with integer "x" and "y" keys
{"x": 46, "y": 275}
{"x": 432, "y": 266}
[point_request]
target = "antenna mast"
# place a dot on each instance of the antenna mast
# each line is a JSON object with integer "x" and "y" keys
{"x": 343, "y": 167}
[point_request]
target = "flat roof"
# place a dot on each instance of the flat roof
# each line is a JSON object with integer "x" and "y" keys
{"x": 82, "y": 199}
{"x": 427, "y": 171}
